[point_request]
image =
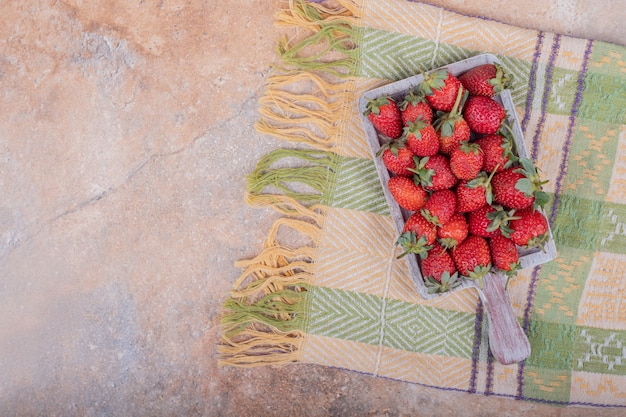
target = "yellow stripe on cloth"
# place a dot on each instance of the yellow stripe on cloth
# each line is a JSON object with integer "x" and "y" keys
{"x": 435, "y": 370}
{"x": 350, "y": 259}
{"x": 447, "y": 27}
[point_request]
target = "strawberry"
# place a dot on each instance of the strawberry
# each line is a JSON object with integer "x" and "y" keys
{"x": 479, "y": 223}
{"x": 472, "y": 257}
{"x": 497, "y": 151}
{"x": 519, "y": 187}
{"x": 440, "y": 207}
{"x": 417, "y": 236}
{"x": 397, "y": 158}
{"x": 485, "y": 80}
{"x": 437, "y": 261}
{"x": 504, "y": 254}
{"x": 472, "y": 195}
{"x": 384, "y": 115}
{"x": 530, "y": 229}
{"x": 466, "y": 161}
{"x": 441, "y": 88}
{"x": 408, "y": 195}
{"x": 434, "y": 173}
{"x": 414, "y": 106}
{"x": 483, "y": 114}
{"x": 490, "y": 221}
{"x": 453, "y": 232}
{"x": 420, "y": 137}
{"x": 446, "y": 283}
{"x": 452, "y": 127}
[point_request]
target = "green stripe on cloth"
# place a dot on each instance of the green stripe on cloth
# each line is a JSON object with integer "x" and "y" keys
{"x": 412, "y": 327}
{"x": 588, "y": 349}
{"x": 560, "y": 285}
{"x": 581, "y": 223}
{"x": 604, "y": 99}
{"x": 560, "y": 349}
{"x": 553, "y": 344}
{"x": 394, "y": 56}
{"x": 590, "y": 225}
{"x": 591, "y": 161}
{"x": 549, "y": 385}
{"x": 358, "y": 187}
{"x": 608, "y": 59}
{"x": 600, "y": 351}
{"x": 563, "y": 86}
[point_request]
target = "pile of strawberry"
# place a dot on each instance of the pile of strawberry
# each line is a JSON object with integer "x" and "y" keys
{"x": 453, "y": 166}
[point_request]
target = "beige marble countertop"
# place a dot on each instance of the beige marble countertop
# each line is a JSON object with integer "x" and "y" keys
{"x": 126, "y": 128}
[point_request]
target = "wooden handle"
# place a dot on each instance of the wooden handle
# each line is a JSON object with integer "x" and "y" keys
{"x": 508, "y": 342}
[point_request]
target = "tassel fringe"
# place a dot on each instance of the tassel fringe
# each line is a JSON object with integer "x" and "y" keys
{"x": 311, "y": 117}
{"x": 304, "y": 183}
{"x": 264, "y": 317}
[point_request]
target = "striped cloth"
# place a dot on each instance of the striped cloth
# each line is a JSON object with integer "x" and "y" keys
{"x": 343, "y": 299}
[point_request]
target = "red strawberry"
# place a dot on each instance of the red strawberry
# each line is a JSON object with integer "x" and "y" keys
{"x": 420, "y": 137}
{"x": 385, "y": 116}
{"x": 519, "y": 187}
{"x": 453, "y": 232}
{"x": 452, "y": 127}
{"x": 490, "y": 221}
{"x": 440, "y": 207}
{"x": 466, "y": 160}
{"x": 531, "y": 229}
{"x": 504, "y": 254}
{"x": 398, "y": 159}
{"x": 483, "y": 114}
{"x": 408, "y": 195}
{"x": 414, "y": 106}
{"x": 434, "y": 173}
{"x": 417, "y": 236}
{"x": 497, "y": 151}
{"x": 472, "y": 257}
{"x": 437, "y": 262}
{"x": 485, "y": 80}
{"x": 441, "y": 88}
{"x": 472, "y": 195}
{"x": 479, "y": 223}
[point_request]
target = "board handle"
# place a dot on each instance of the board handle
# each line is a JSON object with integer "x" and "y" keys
{"x": 507, "y": 341}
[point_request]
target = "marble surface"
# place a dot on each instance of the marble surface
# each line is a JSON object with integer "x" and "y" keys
{"x": 126, "y": 128}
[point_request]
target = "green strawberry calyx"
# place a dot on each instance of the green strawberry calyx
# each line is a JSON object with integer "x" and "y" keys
{"x": 415, "y": 128}
{"x": 501, "y": 81}
{"x": 374, "y": 105}
{"x": 478, "y": 273}
{"x": 434, "y": 80}
{"x": 430, "y": 217}
{"x": 448, "y": 242}
{"x": 411, "y": 244}
{"x": 531, "y": 185}
{"x": 538, "y": 241}
{"x": 414, "y": 97}
{"x": 448, "y": 283}
{"x": 445, "y": 121}
{"x": 469, "y": 147}
{"x": 392, "y": 144}
{"x": 499, "y": 219}
{"x": 482, "y": 180}
{"x": 423, "y": 176}
{"x": 513, "y": 268}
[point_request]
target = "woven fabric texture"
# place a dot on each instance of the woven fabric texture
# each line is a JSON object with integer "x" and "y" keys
{"x": 343, "y": 299}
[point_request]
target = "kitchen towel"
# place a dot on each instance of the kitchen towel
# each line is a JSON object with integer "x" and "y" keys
{"x": 327, "y": 287}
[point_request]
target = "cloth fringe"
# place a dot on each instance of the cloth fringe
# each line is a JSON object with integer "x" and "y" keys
{"x": 264, "y": 317}
{"x": 305, "y": 98}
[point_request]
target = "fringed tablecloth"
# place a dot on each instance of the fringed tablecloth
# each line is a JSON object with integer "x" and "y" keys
{"x": 341, "y": 297}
